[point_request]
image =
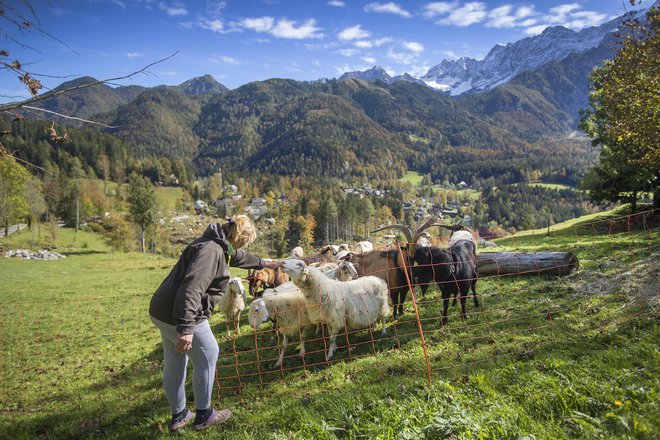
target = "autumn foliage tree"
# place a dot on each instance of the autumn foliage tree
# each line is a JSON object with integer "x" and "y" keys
{"x": 624, "y": 116}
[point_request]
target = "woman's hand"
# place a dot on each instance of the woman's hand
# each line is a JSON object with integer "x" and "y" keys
{"x": 183, "y": 343}
{"x": 272, "y": 264}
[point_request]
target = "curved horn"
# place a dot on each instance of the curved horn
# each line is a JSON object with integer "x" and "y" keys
{"x": 413, "y": 240}
{"x": 454, "y": 228}
{"x": 404, "y": 229}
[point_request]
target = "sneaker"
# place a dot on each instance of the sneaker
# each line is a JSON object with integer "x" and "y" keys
{"x": 178, "y": 424}
{"x": 215, "y": 418}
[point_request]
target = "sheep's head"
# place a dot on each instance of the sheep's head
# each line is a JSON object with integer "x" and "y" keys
{"x": 258, "y": 313}
{"x": 296, "y": 269}
{"x": 348, "y": 270}
{"x": 237, "y": 290}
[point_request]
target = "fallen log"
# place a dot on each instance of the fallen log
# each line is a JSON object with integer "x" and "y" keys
{"x": 526, "y": 263}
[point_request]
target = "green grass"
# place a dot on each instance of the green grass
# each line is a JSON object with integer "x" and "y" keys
{"x": 557, "y": 186}
{"x": 415, "y": 178}
{"x": 575, "y": 357}
{"x": 412, "y": 177}
{"x": 168, "y": 197}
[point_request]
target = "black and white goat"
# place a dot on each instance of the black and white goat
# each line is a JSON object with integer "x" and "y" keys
{"x": 453, "y": 269}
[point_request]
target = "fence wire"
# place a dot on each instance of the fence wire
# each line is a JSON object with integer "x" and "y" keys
{"x": 513, "y": 305}
{"x": 247, "y": 359}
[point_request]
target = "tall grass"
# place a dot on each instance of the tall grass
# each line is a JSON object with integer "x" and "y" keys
{"x": 573, "y": 357}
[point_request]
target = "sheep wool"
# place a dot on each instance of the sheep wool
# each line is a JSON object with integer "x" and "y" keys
{"x": 232, "y": 303}
{"x": 354, "y": 305}
{"x": 286, "y": 306}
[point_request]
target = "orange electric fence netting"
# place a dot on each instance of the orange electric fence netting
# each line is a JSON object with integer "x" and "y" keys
{"x": 505, "y": 308}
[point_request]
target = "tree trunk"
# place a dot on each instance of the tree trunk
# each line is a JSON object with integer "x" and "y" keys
{"x": 526, "y": 263}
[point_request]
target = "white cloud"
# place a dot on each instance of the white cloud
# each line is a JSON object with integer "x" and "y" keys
{"x": 174, "y": 10}
{"x": 470, "y": 13}
{"x": 369, "y": 60}
{"x": 419, "y": 69}
{"x": 215, "y": 7}
{"x": 134, "y": 55}
{"x": 380, "y": 41}
{"x": 293, "y": 67}
{"x": 506, "y": 17}
{"x": 568, "y": 15}
{"x": 465, "y": 13}
{"x": 364, "y": 44}
{"x": 283, "y": 28}
{"x": 223, "y": 59}
{"x": 584, "y": 19}
{"x": 561, "y": 10}
{"x": 414, "y": 46}
{"x": 287, "y": 29}
{"x": 337, "y": 3}
{"x": 535, "y": 30}
{"x": 437, "y": 8}
{"x": 353, "y": 33}
{"x": 261, "y": 24}
{"x": 212, "y": 25}
{"x": 387, "y": 8}
{"x": 341, "y": 69}
{"x": 348, "y": 52}
{"x": 407, "y": 58}
{"x": 368, "y": 44}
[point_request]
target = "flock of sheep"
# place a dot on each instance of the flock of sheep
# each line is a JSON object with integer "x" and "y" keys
{"x": 349, "y": 290}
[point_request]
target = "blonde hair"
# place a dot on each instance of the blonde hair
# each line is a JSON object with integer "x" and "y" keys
{"x": 240, "y": 231}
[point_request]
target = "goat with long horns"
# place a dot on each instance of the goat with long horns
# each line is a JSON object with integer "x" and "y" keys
{"x": 391, "y": 265}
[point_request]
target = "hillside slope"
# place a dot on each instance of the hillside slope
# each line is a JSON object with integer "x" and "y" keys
{"x": 572, "y": 357}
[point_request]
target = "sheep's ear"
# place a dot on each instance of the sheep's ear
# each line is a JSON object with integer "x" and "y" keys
{"x": 356, "y": 265}
{"x": 263, "y": 314}
{"x": 304, "y": 274}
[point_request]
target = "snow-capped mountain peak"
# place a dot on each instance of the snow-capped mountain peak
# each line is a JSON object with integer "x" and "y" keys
{"x": 504, "y": 61}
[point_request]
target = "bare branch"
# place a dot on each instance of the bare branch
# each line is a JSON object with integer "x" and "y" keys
{"x": 5, "y": 152}
{"x": 16, "y": 105}
{"x": 69, "y": 117}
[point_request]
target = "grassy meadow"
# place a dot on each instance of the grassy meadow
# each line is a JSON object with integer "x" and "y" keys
{"x": 543, "y": 358}
{"x": 415, "y": 179}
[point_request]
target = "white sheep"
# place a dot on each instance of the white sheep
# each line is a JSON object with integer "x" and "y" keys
{"x": 342, "y": 270}
{"x": 353, "y": 305}
{"x": 486, "y": 243}
{"x": 363, "y": 247}
{"x": 297, "y": 252}
{"x": 461, "y": 235}
{"x": 286, "y": 306}
{"x": 341, "y": 254}
{"x": 232, "y": 303}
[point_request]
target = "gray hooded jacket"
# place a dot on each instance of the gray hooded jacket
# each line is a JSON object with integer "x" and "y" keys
{"x": 189, "y": 293}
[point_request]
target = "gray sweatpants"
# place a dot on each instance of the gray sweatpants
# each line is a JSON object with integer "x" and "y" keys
{"x": 203, "y": 355}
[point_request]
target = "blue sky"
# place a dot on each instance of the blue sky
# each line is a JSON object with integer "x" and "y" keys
{"x": 238, "y": 41}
